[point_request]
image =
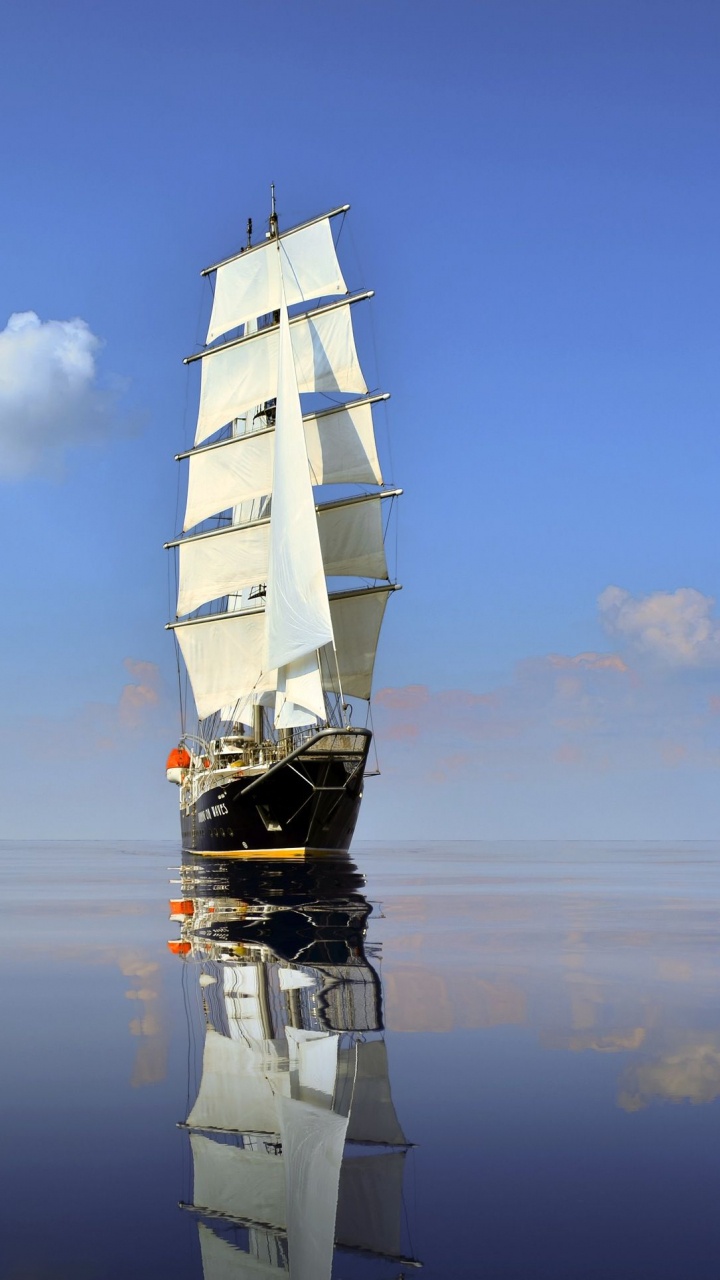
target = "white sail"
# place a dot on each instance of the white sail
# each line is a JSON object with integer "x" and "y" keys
{"x": 242, "y": 710}
{"x": 313, "y": 1140}
{"x": 351, "y": 540}
{"x": 238, "y": 1087}
{"x": 237, "y": 1183}
{"x": 224, "y": 658}
{"x": 370, "y": 1202}
{"x": 224, "y": 561}
{"x": 277, "y": 540}
{"x": 244, "y": 1010}
{"x": 318, "y": 1065}
{"x": 292, "y": 715}
{"x": 222, "y": 1261}
{"x": 299, "y": 700}
{"x": 314, "y": 1054}
{"x": 236, "y": 377}
{"x": 221, "y": 563}
{"x": 372, "y": 1113}
{"x": 248, "y": 287}
{"x": 340, "y": 446}
{"x": 298, "y": 612}
{"x": 356, "y": 623}
{"x": 294, "y": 979}
{"x": 296, "y": 1036}
{"x": 228, "y": 474}
{"x": 223, "y": 654}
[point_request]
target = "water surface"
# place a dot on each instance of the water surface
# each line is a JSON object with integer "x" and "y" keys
{"x": 547, "y": 1016}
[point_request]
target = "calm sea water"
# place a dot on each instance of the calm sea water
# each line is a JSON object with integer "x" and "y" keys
{"x": 524, "y": 1038}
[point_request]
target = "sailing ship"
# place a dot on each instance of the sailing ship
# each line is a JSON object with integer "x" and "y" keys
{"x": 281, "y": 590}
{"x": 297, "y": 1149}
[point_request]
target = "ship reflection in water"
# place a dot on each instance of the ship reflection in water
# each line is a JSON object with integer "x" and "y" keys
{"x": 296, "y": 1146}
{"x": 552, "y": 1025}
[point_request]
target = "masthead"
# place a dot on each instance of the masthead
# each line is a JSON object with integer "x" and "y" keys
{"x": 273, "y": 214}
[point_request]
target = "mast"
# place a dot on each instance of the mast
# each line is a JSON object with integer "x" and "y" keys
{"x": 273, "y": 214}
{"x": 258, "y": 733}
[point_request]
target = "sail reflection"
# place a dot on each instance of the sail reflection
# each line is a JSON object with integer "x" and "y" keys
{"x": 296, "y": 1145}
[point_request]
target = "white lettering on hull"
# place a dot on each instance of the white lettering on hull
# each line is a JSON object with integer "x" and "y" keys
{"x": 213, "y": 811}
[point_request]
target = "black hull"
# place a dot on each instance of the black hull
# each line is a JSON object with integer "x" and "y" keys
{"x": 307, "y": 803}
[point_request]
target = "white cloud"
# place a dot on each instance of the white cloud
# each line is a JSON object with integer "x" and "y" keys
{"x": 560, "y": 714}
{"x": 142, "y": 710}
{"x": 675, "y": 627}
{"x": 690, "y": 1074}
{"x": 49, "y": 397}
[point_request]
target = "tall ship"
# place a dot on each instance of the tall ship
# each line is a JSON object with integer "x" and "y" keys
{"x": 297, "y": 1153}
{"x": 281, "y": 571}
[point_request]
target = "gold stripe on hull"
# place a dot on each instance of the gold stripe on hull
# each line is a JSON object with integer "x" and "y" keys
{"x": 302, "y": 852}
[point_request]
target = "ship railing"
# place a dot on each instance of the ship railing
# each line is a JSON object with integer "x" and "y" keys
{"x": 228, "y": 757}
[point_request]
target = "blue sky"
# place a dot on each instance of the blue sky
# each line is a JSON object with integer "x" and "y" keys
{"x": 534, "y": 191}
